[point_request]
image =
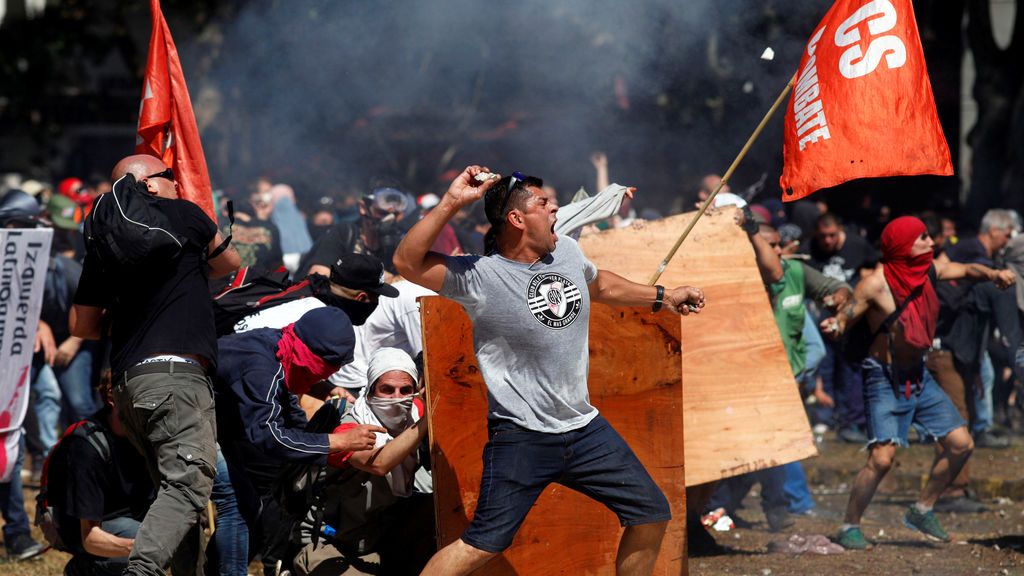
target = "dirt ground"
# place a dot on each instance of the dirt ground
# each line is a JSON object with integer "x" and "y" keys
{"x": 990, "y": 543}
{"x": 987, "y": 543}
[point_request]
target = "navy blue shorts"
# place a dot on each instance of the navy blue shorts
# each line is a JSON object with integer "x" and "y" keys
{"x": 593, "y": 460}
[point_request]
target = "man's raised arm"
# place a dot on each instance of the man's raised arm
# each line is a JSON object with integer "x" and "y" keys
{"x": 413, "y": 258}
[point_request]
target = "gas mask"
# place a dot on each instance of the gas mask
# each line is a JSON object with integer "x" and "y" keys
{"x": 383, "y": 210}
{"x": 389, "y": 233}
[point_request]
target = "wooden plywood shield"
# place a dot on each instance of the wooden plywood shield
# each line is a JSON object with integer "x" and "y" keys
{"x": 742, "y": 409}
{"x": 635, "y": 383}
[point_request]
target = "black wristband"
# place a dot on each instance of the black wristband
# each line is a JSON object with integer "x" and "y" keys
{"x": 658, "y": 298}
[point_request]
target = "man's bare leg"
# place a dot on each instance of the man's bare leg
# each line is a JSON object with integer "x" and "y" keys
{"x": 638, "y": 549}
{"x": 956, "y": 449}
{"x": 880, "y": 459}
{"x": 456, "y": 558}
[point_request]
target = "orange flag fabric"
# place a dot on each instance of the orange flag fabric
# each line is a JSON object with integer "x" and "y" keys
{"x": 862, "y": 104}
{"x": 167, "y": 126}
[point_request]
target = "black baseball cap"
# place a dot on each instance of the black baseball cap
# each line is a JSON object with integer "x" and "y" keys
{"x": 362, "y": 272}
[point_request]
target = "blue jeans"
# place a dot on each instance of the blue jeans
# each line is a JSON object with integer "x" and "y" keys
{"x": 68, "y": 388}
{"x": 796, "y": 488}
{"x": 843, "y": 382}
{"x": 46, "y": 405}
{"x": 12, "y": 502}
{"x": 890, "y": 412}
{"x": 729, "y": 493}
{"x": 594, "y": 460}
{"x": 983, "y": 403}
{"x": 229, "y": 554}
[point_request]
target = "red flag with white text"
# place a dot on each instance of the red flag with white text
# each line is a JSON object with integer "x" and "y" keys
{"x": 862, "y": 104}
{"x": 167, "y": 126}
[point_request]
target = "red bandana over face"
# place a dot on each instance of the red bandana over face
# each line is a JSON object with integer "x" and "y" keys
{"x": 904, "y": 273}
{"x": 302, "y": 367}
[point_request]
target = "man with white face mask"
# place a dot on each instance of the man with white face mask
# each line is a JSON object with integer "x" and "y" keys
{"x": 381, "y": 490}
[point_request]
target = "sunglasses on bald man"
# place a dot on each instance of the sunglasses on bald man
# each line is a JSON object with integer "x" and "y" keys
{"x": 167, "y": 174}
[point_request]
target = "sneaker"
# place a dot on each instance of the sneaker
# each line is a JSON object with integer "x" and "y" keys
{"x": 987, "y": 439}
{"x": 925, "y": 524}
{"x": 852, "y": 435}
{"x": 23, "y": 547}
{"x": 853, "y": 539}
{"x": 960, "y": 505}
{"x": 778, "y": 519}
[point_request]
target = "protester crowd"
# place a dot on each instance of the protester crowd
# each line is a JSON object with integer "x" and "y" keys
{"x": 281, "y": 378}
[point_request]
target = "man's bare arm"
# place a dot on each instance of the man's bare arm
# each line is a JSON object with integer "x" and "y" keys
{"x": 610, "y": 288}
{"x": 381, "y": 461}
{"x": 86, "y": 321}
{"x": 947, "y": 270}
{"x": 99, "y": 542}
{"x": 224, "y": 263}
{"x": 865, "y": 295}
{"x": 413, "y": 258}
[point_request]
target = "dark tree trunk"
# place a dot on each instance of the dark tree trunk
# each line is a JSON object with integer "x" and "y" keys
{"x": 940, "y": 23}
{"x": 997, "y": 145}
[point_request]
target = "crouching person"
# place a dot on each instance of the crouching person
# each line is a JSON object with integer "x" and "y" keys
{"x": 261, "y": 428}
{"x": 96, "y": 491}
{"x": 377, "y": 516}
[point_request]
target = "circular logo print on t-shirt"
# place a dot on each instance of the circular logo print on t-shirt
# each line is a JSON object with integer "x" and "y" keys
{"x": 554, "y": 300}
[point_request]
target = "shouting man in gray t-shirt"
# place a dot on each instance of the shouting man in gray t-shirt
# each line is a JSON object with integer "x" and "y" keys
{"x": 529, "y": 300}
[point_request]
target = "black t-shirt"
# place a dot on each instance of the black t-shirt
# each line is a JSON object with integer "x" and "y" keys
{"x": 258, "y": 242}
{"x": 969, "y": 251}
{"x": 163, "y": 307}
{"x": 85, "y": 486}
{"x": 845, "y": 264}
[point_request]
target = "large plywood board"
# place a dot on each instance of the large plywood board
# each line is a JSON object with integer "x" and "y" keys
{"x": 634, "y": 381}
{"x": 742, "y": 409}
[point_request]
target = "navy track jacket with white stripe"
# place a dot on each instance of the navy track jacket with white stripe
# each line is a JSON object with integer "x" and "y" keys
{"x": 254, "y": 404}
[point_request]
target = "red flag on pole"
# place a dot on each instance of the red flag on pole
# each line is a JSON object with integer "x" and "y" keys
{"x": 862, "y": 104}
{"x": 167, "y": 126}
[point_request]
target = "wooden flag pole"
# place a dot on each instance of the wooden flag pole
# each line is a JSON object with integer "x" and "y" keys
{"x": 725, "y": 180}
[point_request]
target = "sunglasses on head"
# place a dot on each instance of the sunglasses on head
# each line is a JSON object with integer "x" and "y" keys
{"x": 168, "y": 174}
{"x": 517, "y": 178}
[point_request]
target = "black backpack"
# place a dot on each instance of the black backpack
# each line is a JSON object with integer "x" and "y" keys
{"x": 253, "y": 289}
{"x": 126, "y": 228}
{"x": 47, "y": 518}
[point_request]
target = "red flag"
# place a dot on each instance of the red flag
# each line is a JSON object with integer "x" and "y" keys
{"x": 167, "y": 126}
{"x": 862, "y": 104}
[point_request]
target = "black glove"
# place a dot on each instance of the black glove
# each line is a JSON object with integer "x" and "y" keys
{"x": 750, "y": 224}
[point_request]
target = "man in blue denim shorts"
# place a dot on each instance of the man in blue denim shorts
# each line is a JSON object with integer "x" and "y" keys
{"x": 529, "y": 299}
{"x": 901, "y": 310}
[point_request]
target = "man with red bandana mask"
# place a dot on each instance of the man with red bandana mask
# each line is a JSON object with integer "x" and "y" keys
{"x": 260, "y": 375}
{"x": 897, "y": 388}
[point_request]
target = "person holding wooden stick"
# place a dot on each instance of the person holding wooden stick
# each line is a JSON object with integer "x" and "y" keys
{"x": 529, "y": 300}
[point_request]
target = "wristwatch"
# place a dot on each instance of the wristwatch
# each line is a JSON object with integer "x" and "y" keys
{"x": 658, "y": 298}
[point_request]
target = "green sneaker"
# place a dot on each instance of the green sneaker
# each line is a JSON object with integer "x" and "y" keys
{"x": 925, "y": 524}
{"x": 852, "y": 539}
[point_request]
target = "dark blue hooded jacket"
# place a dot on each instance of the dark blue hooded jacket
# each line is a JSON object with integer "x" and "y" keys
{"x": 253, "y": 403}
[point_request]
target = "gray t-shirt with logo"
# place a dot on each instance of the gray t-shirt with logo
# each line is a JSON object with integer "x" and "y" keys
{"x": 530, "y": 333}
